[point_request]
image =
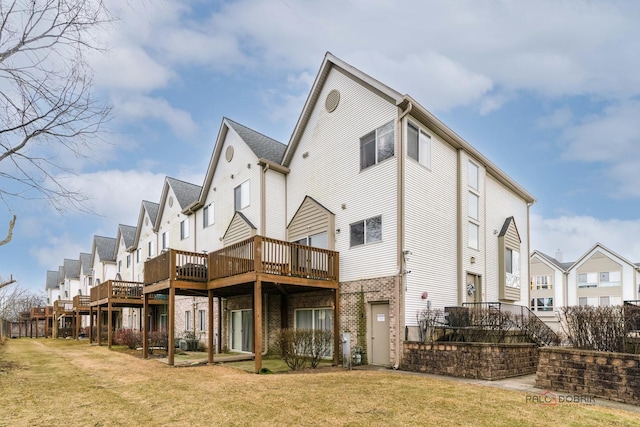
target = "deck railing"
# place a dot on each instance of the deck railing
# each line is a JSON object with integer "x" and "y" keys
{"x": 62, "y": 305}
{"x": 81, "y": 301}
{"x": 41, "y": 311}
{"x": 265, "y": 255}
{"x": 176, "y": 265}
{"x": 119, "y": 289}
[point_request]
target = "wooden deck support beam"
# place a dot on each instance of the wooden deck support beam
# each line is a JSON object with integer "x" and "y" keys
{"x": 257, "y": 324}
{"x": 109, "y": 324}
{"x": 210, "y": 342}
{"x": 171, "y": 337}
{"x": 336, "y": 326}
{"x": 145, "y": 326}
{"x": 99, "y": 325}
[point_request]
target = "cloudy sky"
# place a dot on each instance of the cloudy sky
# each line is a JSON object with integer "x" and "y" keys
{"x": 548, "y": 90}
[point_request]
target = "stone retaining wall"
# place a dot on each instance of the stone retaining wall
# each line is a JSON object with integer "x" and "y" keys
{"x": 613, "y": 376}
{"x": 471, "y": 360}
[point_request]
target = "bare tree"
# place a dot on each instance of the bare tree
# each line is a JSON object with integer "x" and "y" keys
{"x": 47, "y": 104}
{"x": 15, "y": 300}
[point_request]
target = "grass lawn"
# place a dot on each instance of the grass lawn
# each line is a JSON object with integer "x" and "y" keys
{"x": 65, "y": 382}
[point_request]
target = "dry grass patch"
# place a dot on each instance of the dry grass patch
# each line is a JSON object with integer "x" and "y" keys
{"x": 66, "y": 382}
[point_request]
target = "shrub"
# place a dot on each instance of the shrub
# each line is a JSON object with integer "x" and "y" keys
{"x": 603, "y": 328}
{"x": 301, "y": 346}
{"x": 159, "y": 339}
{"x": 128, "y": 337}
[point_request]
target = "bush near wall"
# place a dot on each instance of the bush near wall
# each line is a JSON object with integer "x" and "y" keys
{"x": 613, "y": 376}
{"x": 485, "y": 361}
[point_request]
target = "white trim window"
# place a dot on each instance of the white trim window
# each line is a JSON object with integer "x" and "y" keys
{"x": 512, "y": 267}
{"x": 473, "y": 206}
{"x": 128, "y": 260}
{"x": 377, "y": 146}
{"x": 184, "y": 229}
{"x": 241, "y": 196}
{"x": 315, "y": 319}
{"x": 542, "y": 304}
{"x": 419, "y": 145}
{"x": 165, "y": 240}
{"x": 473, "y": 236}
{"x": 609, "y": 278}
{"x": 472, "y": 175}
{"x": 208, "y": 215}
{"x": 202, "y": 316}
{"x": 138, "y": 253}
{"x": 151, "y": 248}
{"x": 588, "y": 280}
{"x": 366, "y": 231}
{"x": 541, "y": 282}
{"x": 187, "y": 321}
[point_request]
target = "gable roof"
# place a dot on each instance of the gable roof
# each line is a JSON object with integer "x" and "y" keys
{"x": 307, "y": 197}
{"x": 60, "y": 275}
{"x": 505, "y": 227}
{"x": 262, "y": 146}
{"x": 71, "y": 268}
{"x": 128, "y": 235}
{"x": 52, "y": 280}
{"x": 404, "y": 102}
{"x": 104, "y": 247}
{"x": 267, "y": 151}
{"x": 186, "y": 195}
{"x": 602, "y": 247}
{"x": 151, "y": 209}
{"x": 564, "y": 266}
{"x": 85, "y": 262}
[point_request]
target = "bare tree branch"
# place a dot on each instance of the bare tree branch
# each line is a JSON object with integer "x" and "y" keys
{"x": 7, "y": 239}
{"x": 47, "y": 104}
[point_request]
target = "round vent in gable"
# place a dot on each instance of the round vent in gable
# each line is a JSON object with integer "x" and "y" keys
{"x": 229, "y": 153}
{"x": 170, "y": 201}
{"x": 332, "y": 101}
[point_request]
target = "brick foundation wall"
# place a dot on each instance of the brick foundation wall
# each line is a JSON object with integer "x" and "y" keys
{"x": 471, "y": 360}
{"x": 613, "y": 376}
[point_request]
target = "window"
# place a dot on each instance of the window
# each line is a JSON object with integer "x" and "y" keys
{"x": 377, "y": 146}
{"x": 165, "y": 240}
{"x": 367, "y": 231}
{"x": 472, "y": 175}
{"x": 151, "y": 249}
{"x": 208, "y": 215}
{"x": 119, "y": 266}
{"x": 609, "y": 278}
{"x": 315, "y": 319}
{"x": 542, "y": 304}
{"x": 604, "y": 301}
{"x": 202, "y": 315}
{"x": 241, "y": 196}
{"x": 419, "y": 145}
{"x": 128, "y": 260}
{"x": 587, "y": 280}
{"x": 184, "y": 229}
{"x": 512, "y": 266}
{"x": 582, "y": 301}
{"x": 138, "y": 252}
{"x": 187, "y": 320}
{"x": 541, "y": 282}
{"x": 474, "y": 236}
{"x": 473, "y": 204}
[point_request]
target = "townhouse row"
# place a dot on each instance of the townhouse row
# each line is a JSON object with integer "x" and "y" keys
{"x": 371, "y": 213}
{"x": 600, "y": 277}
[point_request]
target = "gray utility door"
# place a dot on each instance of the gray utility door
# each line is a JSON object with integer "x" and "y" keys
{"x": 380, "y": 334}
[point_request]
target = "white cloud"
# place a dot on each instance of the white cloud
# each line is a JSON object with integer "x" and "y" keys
{"x": 574, "y": 235}
{"x": 558, "y": 119}
{"x": 145, "y": 107}
{"x": 54, "y": 249}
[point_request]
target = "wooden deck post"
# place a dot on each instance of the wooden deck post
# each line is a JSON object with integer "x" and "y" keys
{"x": 219, "y": 329}
{"x": 99, "y": 324}
{"x": 257, "y": 324}
{"x": 210, "y": 342}
{"x": 55, "y": 326}
{"x": 90, "y": 325}
{"x": 336, "y": 326}
{"x": 145, "y": 326}
{"x": 109, "y": 324}
{"x": 171, "y": 326}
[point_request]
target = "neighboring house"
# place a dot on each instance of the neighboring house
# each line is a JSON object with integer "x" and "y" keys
{"x": 52, "y": 287}
{"x": 71, "y": 278}
{"x": 548, "y": 286}
{"x": 85, "y": 273}
{"x": 103, "y": 261}
{"x": 124, "y": 247}
{"x": 420, "y": 217}
{"x": 243, "y": 195}
{"x": 145, "y": 240}
{"x": 176, "y": 228}
{"x": 600, "y": 277}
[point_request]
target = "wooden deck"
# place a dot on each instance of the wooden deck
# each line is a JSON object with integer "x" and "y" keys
{"x": 255, "y": 266}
